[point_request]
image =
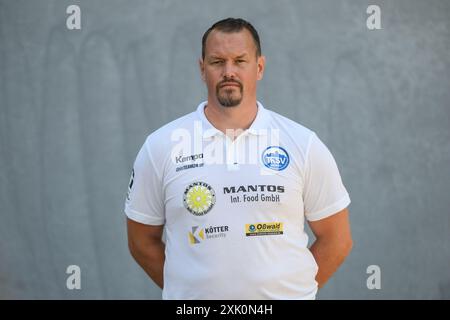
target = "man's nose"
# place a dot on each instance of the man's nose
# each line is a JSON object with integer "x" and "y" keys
{"x": 229, "y": 70}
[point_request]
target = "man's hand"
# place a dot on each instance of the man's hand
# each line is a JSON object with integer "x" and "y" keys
{"x": 147, "y": 248}
{"x": 333, "y": 244}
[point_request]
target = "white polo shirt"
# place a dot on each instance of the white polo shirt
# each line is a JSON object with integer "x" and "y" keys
{"x": 234, "y": 211}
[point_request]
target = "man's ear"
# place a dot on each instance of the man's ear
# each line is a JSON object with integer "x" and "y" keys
{"x": 261, "y": 66}
{"x": 202, "y": 68}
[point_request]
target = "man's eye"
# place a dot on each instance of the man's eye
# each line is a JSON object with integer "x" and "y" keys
{"x": 216, "y": 62}
{"x": 240, "y": 61}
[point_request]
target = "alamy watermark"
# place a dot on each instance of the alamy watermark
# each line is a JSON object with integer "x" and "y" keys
{"x": 373, "y": 21}
{"x": 232, "y": 147}
{"x": 73, "y": 281}
{"x": 73, "y": 21}
{"x": 374, "y": 280}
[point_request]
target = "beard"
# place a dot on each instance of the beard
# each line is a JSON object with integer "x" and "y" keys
{"x": 229, "y": 97}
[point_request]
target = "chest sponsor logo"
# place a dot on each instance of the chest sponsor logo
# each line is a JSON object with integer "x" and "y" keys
{"x": 254, "y": 193}
{"x": 198, "y": 235}
{"x": 275, "y": 158}
{"x": 264, "y": 229}
{"x": 199, "y": 198}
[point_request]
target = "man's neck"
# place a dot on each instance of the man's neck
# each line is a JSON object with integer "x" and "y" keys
{"x": 234, "y": 119}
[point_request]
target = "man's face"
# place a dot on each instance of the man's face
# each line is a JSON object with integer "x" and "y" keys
{"x": 230, "y": 68}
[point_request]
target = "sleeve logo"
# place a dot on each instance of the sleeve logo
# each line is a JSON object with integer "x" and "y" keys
{"x": 130, "y": 184}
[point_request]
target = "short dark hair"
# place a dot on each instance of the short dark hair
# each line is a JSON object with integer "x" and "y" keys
{"x": 229, "y": 25}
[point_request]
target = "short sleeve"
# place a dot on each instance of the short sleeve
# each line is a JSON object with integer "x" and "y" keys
{"x": 324, "y": 193}
{"x": 144, "y": 202}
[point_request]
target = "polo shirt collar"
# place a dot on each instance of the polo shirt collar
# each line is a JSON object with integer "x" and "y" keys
{"x": 259, "y": 126}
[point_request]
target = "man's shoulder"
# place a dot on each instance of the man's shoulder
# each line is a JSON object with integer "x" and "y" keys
{"x": 290, "y": 126}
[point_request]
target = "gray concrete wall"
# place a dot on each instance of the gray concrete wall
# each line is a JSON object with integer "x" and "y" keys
{"x": 75, "y": 106}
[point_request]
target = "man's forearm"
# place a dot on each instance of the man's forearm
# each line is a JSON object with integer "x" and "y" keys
{"x": 151, "y": 259}
{"x": 329, "y": 255}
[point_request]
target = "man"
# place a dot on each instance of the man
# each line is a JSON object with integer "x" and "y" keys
{"x": 234, "y": 222}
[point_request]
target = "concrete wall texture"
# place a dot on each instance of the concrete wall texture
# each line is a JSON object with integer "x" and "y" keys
{"x": 76, "y": 105}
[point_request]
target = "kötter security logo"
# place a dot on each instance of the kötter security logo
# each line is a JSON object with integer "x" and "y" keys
{"x": 197, "y": 235}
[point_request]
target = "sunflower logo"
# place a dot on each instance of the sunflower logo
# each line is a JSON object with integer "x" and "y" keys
{"x": 199, "y": 198}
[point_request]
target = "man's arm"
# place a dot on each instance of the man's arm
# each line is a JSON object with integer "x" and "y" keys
{"x": 146, "y": 247}
{"x": 333, "y": 244}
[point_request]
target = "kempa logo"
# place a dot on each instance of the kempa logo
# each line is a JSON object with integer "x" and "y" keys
{"x": 199, "y": 234}
{"x": 181, "y": 159}
{"x": 198, "y": 198}
{"x": 264, "y": 229}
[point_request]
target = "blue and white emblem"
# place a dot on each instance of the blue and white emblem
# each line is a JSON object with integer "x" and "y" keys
{"x": 275, "y": 158}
